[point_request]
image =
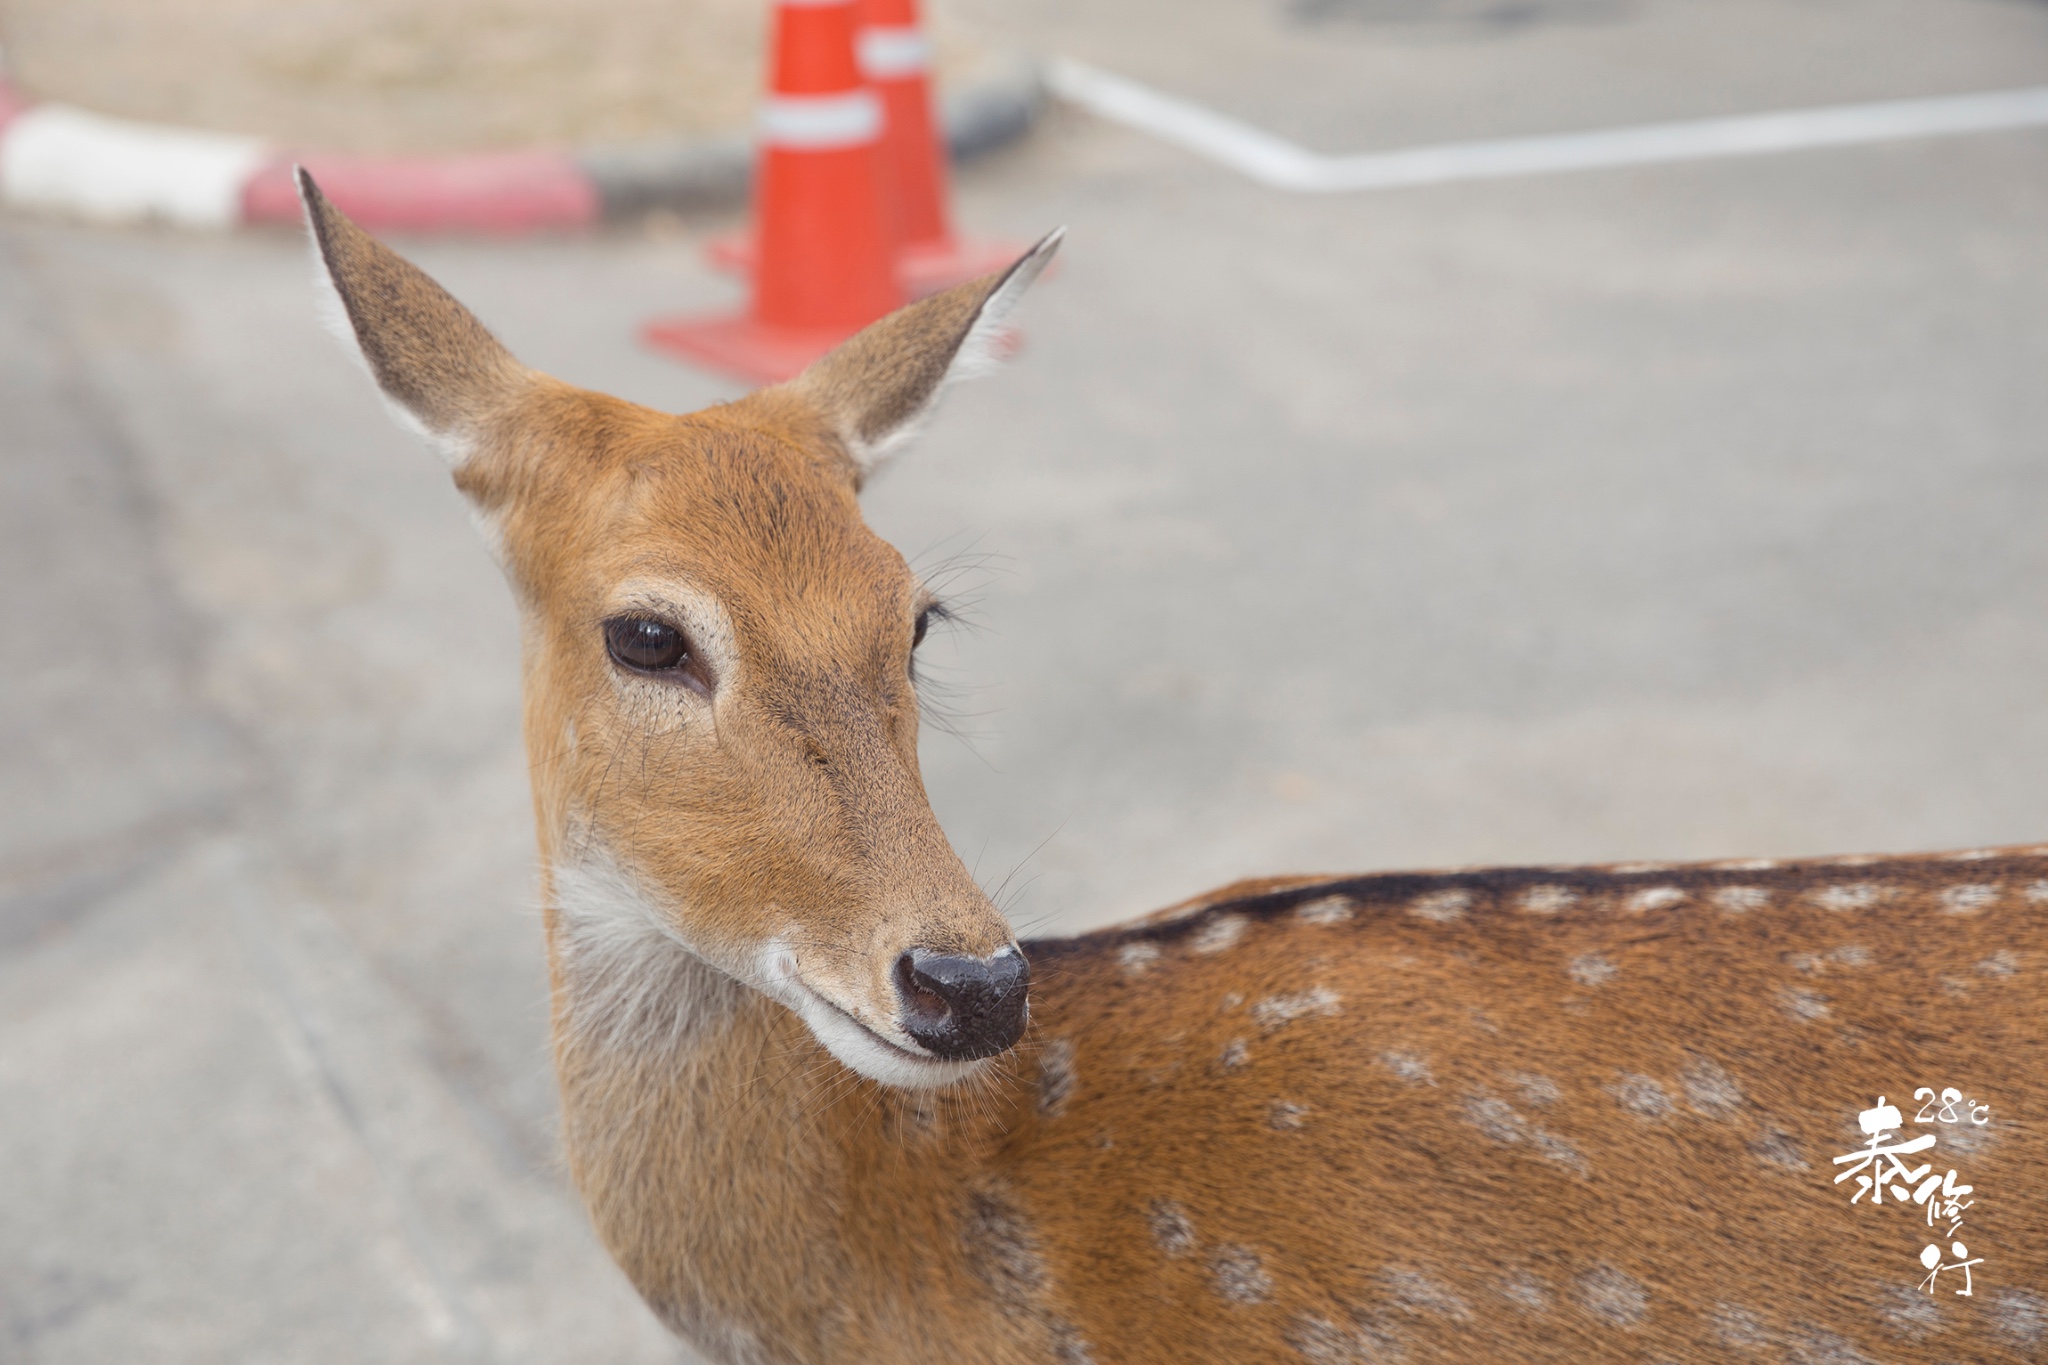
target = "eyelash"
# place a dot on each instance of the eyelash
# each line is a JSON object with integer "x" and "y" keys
{"x": 933, "y": 612}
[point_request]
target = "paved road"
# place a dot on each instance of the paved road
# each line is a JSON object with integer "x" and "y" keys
{"x": 1679, "y": 511}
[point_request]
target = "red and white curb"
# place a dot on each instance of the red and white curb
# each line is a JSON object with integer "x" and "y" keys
{"x": 56, "y": 158}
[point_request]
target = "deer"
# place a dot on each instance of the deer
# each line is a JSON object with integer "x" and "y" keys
{"x": 822, "y": 1105}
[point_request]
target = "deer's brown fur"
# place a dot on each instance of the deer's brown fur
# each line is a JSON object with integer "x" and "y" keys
{"x": 1517, "y": 1115}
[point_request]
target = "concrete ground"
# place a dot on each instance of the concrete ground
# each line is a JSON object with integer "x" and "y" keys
{"x": 1674, "y": 512}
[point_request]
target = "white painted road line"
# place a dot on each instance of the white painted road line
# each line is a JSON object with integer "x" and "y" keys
{"x": 1284, "y": 165}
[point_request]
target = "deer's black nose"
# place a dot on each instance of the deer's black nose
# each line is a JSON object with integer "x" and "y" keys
{"x": 961, "y": 1008}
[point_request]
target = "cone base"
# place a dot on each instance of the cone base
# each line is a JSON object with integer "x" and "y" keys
{"x": 740, "y": 346}
{"x": 923, "y": 268}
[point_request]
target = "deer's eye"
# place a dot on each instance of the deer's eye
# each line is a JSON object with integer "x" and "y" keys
{"x": 646, "y": 645}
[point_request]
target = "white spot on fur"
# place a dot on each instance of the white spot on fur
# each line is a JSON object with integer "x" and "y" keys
{"x": 1002, "y": 1251}
{"x": 1282, "y": 1115}
{"x": 1739, "y": 1328}
{"x": 1745, "y": 865}
{"x": 1778, "y": 1148}
{"x": 1218, "y": 934}
{"x": 1322, "y": 1342}
{"x": 1804, "y": 1005}
{"x": 1971, "y": 855}
{"x": 1616, "y": 1299}
{"x": 1592, "y": 969}
{"x": 1968, "y": 898}
{"x": 1055, "y": 1077}
{"x": 1412, "y": 1291}
{"x": 1638, "y": 869}
{"x": 1970, "y": 1138}
{"x": 1277, "y": 1011}
{"x": 1908, "y": 1312}
{"x": 1411, "y": 1067}
{"x": 1641, "y": 1095}
{"x": 2037, "y": 892}
{"x": 2004, "y": 962}
{"x": 1239, "y": 1275}
{"x": 1812, "y": 1345}
{"x": 1137, "y": 958}
{"x": 1555, "y": 1148}
{"x": 1654, "y": 898}
{"x": 1548, "y": 899}
{"x": 1852, "y": 955}
{"x": 1526, "y": 1292}
{"x": 1740, "y": 900}
{"x": 1855, "y": 860}
{"x": 1537, "y": 1090}
{"x": 2020, "y": 1316}
{"x": 1327, "y": 910}
{"x": 1173, "y": 1232}
{"x": 1236, "y": 1053}
{"x": 1709, "y": 1089}
{"x": 1849, "y": 896}
{"x": 1496, "y": 1118}
{"x": 1441, "y": 907}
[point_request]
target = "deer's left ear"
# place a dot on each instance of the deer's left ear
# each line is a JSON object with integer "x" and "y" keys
{"x": 875, "y": 389}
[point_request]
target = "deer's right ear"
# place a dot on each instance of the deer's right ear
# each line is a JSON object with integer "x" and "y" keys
{"x": 441, "y": 372}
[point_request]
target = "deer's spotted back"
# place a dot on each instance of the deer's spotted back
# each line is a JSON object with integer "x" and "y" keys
{"x": 1546, "y": 1114}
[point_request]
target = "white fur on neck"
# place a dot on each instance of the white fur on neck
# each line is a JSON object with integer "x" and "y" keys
{"x": 633, "y": 984}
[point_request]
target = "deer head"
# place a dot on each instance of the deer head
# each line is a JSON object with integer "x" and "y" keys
{"x": 720, "y": 701}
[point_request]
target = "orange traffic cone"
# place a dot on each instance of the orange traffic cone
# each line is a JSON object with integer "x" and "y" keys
{"x": 895, "y": 56}
{"x": 823, "y": 239}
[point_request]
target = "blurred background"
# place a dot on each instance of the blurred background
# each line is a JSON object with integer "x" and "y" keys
{"x": 1679, "y": 511}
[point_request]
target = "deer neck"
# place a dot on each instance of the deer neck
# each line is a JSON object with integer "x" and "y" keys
{"x": 668, "y": 1084}
{"x": 711, "y": 1136}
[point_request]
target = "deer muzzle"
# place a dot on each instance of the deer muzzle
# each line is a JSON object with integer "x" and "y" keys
{"x": 963, "y": 1008}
